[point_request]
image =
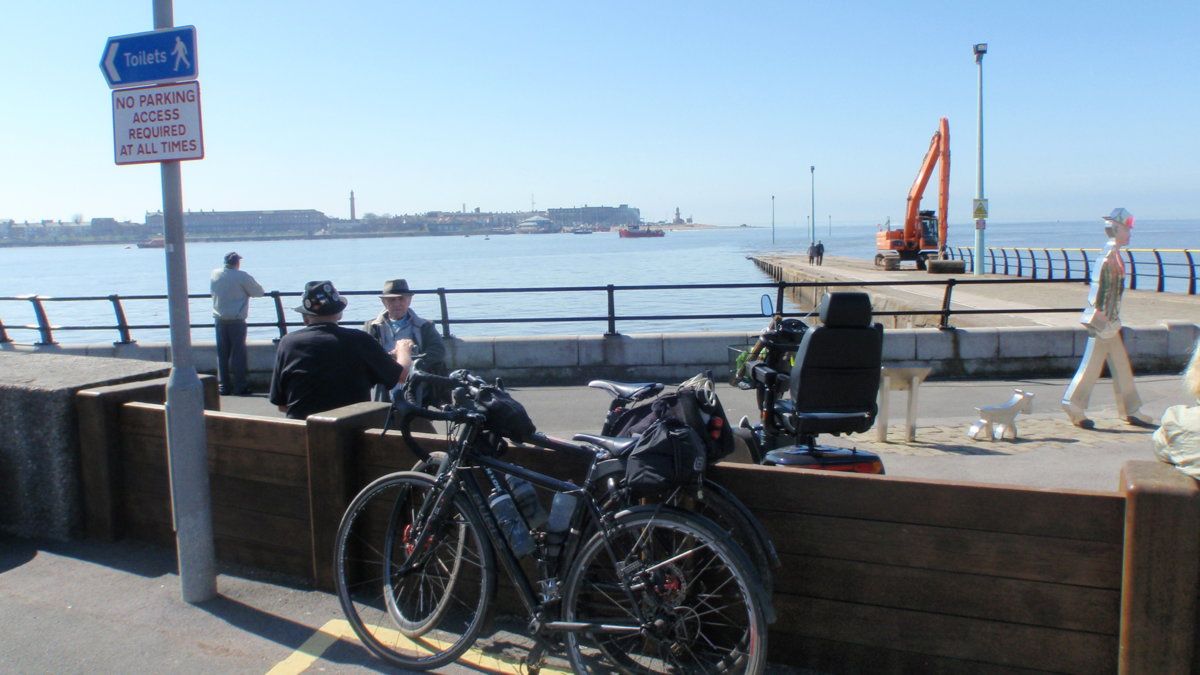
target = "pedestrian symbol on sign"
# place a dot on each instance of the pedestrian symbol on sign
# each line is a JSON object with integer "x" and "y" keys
{"x": 180, "y": 53}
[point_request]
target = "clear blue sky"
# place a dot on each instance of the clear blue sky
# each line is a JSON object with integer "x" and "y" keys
{"x": 708, "y": 106}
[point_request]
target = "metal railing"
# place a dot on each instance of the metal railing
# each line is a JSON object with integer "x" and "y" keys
{"x": 46, "y": 330}
{"x": 1161, "y": 266}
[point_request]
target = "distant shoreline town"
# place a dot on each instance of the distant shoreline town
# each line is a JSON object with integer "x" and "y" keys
{"x": 310, "y": 223}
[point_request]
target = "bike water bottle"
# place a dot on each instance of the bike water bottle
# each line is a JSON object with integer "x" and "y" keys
{"x": 512, "y": 525}
{"x": 561, "y": 512}
{"x": 527, "y": 501}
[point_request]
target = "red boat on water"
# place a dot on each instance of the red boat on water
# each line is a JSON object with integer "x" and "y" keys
{"x": 634, "y": 231}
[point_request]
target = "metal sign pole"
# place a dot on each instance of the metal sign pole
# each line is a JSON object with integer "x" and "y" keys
{"x": 186, "y": 441}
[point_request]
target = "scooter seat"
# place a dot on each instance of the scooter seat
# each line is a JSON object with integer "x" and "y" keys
{"x": 630, "y": 390}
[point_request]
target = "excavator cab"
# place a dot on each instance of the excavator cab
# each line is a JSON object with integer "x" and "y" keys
{"x": 929, "y": 231}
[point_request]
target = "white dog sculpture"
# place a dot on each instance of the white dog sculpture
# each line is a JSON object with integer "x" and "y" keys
{"x": 997, "y": 422}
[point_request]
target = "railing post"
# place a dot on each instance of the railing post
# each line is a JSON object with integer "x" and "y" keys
{"x": 1004, "y": 253}
{"x": 971, "y": 255}
{"x": 945, "y": 323}
{"x": 43, "y": 323}
{"x": 1161, "y": 276}
{"x": 3, "y": 334}
{"x": 1019, "y": 270}
{"x": 280, "y": 317}
{"x": 1032, "y": 264}
{"x": 122, "y": 324}
{"x": 1191, "y": 275}
{"x": 1132, "y": 270}
{"x": 612, "y": 311}
{"x": 1049, "y": 265}
{"x": 1087, "y": 266}
{"x": 445, "y": 312}
{"x": 779, "y": 291}
{"x": 1066, "y": 263}
{"x": 992, "y": 255}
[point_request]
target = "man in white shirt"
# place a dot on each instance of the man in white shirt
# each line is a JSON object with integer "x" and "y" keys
{"x": 231, "y": 292}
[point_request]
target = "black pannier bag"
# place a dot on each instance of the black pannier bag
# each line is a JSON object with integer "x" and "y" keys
{"x": 668, "y": 454}
{"x": 505, "y": 415}
{"x": 698, "y": 409}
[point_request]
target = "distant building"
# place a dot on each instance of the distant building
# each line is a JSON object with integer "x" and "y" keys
{"x": 103, "y": 226}
{"x": 201, "y": 223}
{"x": 602, "y": 216}
{"x": 536, "y": 225}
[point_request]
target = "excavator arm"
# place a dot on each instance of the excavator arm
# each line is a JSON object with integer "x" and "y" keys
{"x": 939, "y": 150}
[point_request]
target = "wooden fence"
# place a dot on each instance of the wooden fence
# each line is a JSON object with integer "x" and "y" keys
{"x": 879, "y": 574}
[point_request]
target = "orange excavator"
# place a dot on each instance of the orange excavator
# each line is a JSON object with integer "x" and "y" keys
{"x": 923, "y": 239}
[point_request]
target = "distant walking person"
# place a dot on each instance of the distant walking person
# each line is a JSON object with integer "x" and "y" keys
{"x": 231, "y": 292}
{"x": 812, "y": 253}
{"x": 820, "y": 253}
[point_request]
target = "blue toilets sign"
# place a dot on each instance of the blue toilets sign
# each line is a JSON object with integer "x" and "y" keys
{"x": 156, "y": 57}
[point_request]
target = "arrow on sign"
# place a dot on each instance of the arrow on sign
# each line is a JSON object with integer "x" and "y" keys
{"x": 110, "y": 64}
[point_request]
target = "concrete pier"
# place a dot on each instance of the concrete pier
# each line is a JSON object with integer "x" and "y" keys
{"x": 1139, "y": 308}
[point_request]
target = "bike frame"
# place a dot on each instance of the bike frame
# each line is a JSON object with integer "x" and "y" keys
{"x": 458, "y": 474}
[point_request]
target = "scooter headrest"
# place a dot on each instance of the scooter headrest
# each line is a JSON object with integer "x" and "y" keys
{"x": 846, "y": 310}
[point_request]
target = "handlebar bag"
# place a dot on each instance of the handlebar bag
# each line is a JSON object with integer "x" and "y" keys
{"x": 505, "y": 415}
{"x": 669, "y": 454}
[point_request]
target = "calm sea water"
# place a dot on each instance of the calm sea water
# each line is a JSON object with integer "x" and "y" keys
{"x": 703, "y": 256}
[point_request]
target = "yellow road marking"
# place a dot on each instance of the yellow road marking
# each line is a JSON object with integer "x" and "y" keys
{"x": 339, "y": 629}
{"x": 311, "y": 650}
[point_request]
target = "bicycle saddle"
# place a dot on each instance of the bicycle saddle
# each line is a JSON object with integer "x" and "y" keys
{"x": 617, "y": 445}
{"x": 630, "y": 390}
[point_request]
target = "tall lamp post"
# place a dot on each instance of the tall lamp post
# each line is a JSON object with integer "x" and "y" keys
{"x": 772, "y": 220}
{"x": 980, "y": 205}
{"x": 812, "y": 220}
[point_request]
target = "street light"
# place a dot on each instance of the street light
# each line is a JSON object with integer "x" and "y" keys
{"x": 980, "y": 206}
{"x": 812, "y": 219}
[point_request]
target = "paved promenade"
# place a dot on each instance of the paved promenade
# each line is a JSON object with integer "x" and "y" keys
{"x": 1050, "y": 452}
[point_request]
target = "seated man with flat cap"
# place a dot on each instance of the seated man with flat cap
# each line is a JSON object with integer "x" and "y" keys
{"x": 400, "y": 330}
{"x": 325, "y": 366}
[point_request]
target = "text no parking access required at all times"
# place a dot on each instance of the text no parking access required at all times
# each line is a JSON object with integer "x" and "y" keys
{"x": 157, "y": 124}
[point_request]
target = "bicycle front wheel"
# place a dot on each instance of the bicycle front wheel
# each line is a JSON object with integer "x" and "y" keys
{"x": 692, "y": 599}
{"x": 414, "y": 571}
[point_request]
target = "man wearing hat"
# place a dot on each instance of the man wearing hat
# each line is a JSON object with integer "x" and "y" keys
{"x": 397, "y": 322}
{"x": 231, "y": 292}
{"x": 325, "y": 366}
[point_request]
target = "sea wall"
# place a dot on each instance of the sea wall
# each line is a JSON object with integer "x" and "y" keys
{"x": 574, "y": 359}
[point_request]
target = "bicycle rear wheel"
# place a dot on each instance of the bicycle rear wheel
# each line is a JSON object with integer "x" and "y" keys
{"x": 695, "y": 591}
{"x": 416, "y": 584}
{"x": 718, "y": 505}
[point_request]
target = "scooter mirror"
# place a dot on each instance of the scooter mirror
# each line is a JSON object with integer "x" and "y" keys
{"x": 766, "y": 306}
